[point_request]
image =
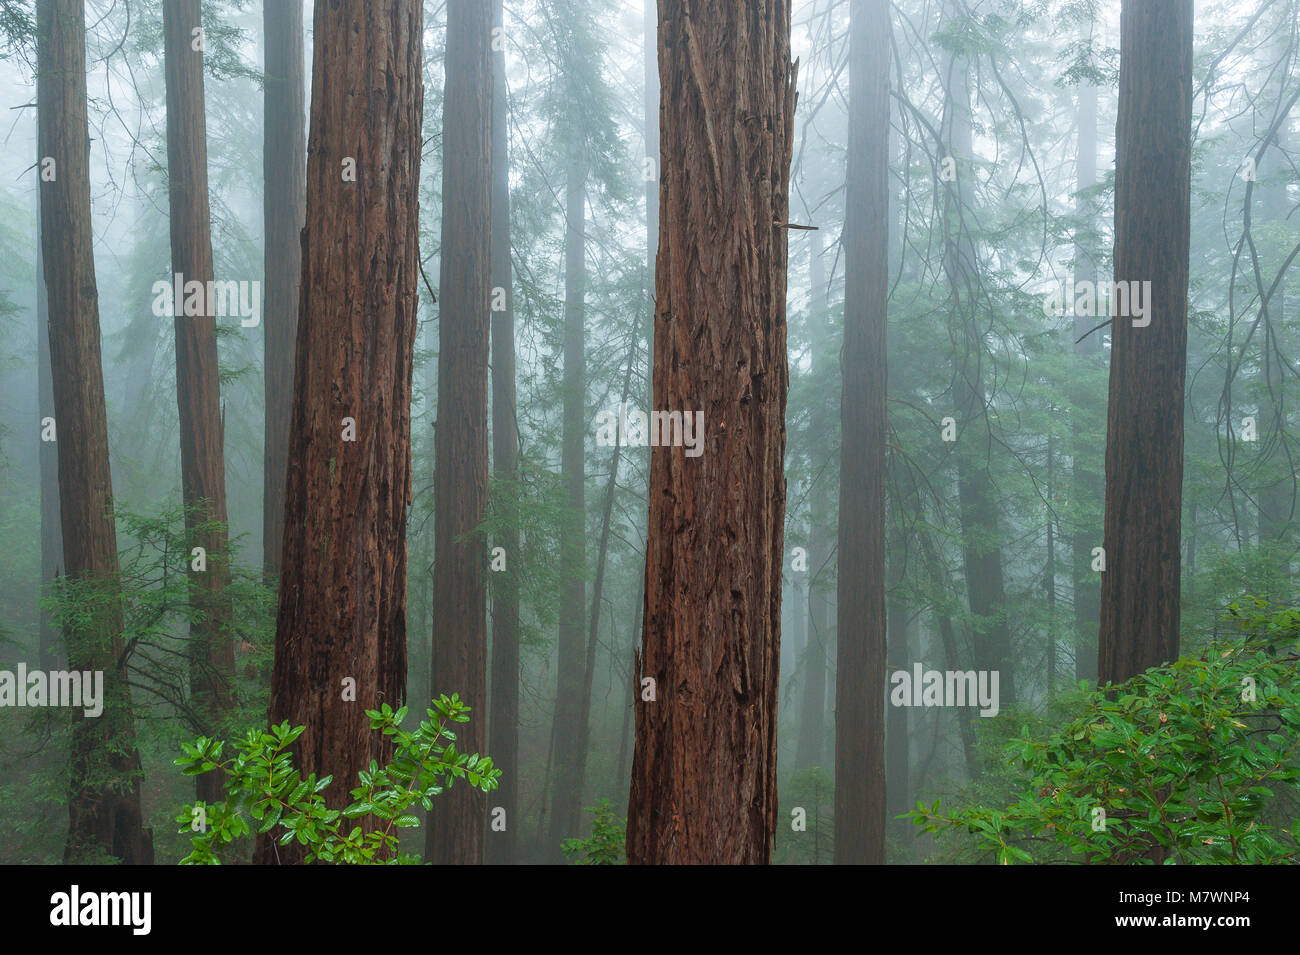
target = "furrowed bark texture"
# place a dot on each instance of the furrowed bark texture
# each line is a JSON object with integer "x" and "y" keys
{"x": 342, "y": 609}
{"x": 704, "y": 766}
{"x": 104, "y": 813}
{"x": 198, "y": 389}
{"x": 459, "y": 654}
{"x": 1144, "y": 425}
{"x": 860, "y": 604}
{"x": 284, "y": 178}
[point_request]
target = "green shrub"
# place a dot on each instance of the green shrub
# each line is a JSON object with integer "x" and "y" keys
{"x": 1185, "y": 763}
{"x": 264, "y": 789}
{"x": 605, "y": 845}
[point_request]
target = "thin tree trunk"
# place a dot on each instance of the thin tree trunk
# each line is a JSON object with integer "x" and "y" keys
{"x": 459, "y": 655}
{"x": 704, "y": 766}
{"x": 977, "y": 501}
{"x": 284, "y": 172}
{"x": 341, "y": 628}
{"x": 198, "y": 389}
{"x": 51, "y": 528}
{"x": 502, "y": 848}
{"x": 598, "y": 584}
{"x": 566, "y": 808}
{"x": 104, "y": 814}
{"x": 1089, "y": 490}
{"x": 860, "y": 607}
{"x": 1144, "y": 426}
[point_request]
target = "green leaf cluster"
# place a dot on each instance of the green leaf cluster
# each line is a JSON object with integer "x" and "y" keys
{"x": 265, "y": 792}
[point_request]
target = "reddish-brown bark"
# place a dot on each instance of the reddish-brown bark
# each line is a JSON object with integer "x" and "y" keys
{"x": 704, "y": 766}
{"x": 198, "y": 389}
{"x": 342, "y": 605}
{"x": 104, "y": 770}
{"x": 1144, "y": 424}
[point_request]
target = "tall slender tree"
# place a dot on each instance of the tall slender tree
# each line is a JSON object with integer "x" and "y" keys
{"x": 460, "y": 485}
{"x": 977, "y": 502}
{"x": 1087, "y": 455}
{"x": 704, "y": 765}
{"x": 503, "y": 740}
{"x": 566, "y": 804}
{"x": 104, "y": 814}
{"x": 284, "y": 178}
{"x": 198, "y": 389}
{"x": 1144, "y": 424}
{"x": 341, "y": 626}
{"x": 860, "y": 604}
{"x": 51, "y": 528}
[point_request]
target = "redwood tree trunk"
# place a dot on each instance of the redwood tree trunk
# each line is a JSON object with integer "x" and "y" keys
{"x": 1144, "y": 425}
{"x": 503, "y": 739}
{"x": 460, "y": 484}
{"x": 860, "y": 607}
{"x": 104, "y": 771}
{"x": 704, "y": 766}
{"x": 284, "y": 176}
{"x": 198, "y": 390}
{"x": 342, "y": 605}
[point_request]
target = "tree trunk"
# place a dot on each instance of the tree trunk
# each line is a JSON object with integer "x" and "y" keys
{"x": 566, "y": 805}
{"x": 51, "y": 528}
{"x": 1088, "y": 487}
{"x": 104, "y": 814}
{"x": 977, "y": 501}
{"x": 1144, "y": 425}
{"x": 860, "y": 607}
{"x": 284, "y": 172}
{"x": 341, "y": 628}
{"x": 198, "y": 390}
{"x": 503, "y": 741}
{"x": 598, "y": 584}
{"x": 704, "y": 766}
{"x": 460, "y": 486}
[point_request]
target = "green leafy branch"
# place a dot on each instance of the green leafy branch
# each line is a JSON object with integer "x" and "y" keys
{"x": 264, "y": 789}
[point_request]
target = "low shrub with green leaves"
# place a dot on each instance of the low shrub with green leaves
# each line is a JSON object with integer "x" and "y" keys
{"x": 605, "y": 845}
{"x": 263, "y": 789}
{"x": 1193, "y": 762}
